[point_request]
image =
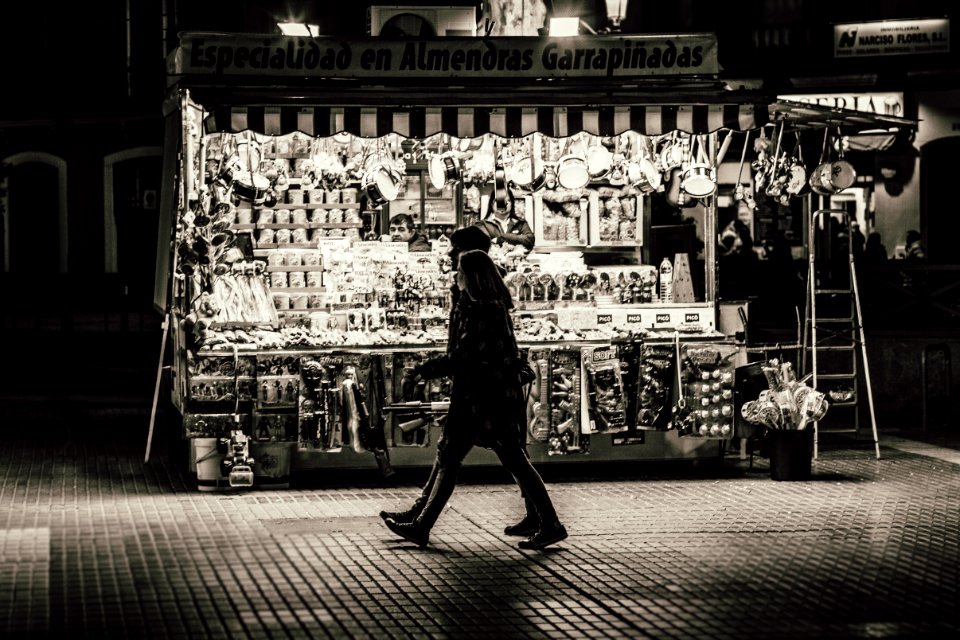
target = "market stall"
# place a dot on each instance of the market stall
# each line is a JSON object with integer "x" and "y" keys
{"x": 296, "y": 317}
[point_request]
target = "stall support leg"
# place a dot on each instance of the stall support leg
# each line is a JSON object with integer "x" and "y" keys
{"x": 156, "y": 386}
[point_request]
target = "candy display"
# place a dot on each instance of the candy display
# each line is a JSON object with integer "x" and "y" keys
{"x": 705, "y": 406}
{"x": 614, "y": 217}
{"x": 788, "y": 403}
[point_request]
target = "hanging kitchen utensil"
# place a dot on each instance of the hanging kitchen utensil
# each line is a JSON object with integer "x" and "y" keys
{"x": 500, "y": 193}
{"x": 842, "y": 173}
{"x": 675, "y": 195}
{"x": 527, "y": 172}
{"x": 642, "y": 170}
{"x": 599, "y": 160}
{"x": 572, "y": 170}
{"x": 724, "y": 146}
{"x": 776, "y": 180}
{"x": 822, "y": 170}
{"x": 382, "y": 181}
{"x": 797, "y": 184}
{"x": 699, "y": 178}
{"x": 444, "y": 167}
{"x": 740, "y": 192}
{"x": 248, "y": 185}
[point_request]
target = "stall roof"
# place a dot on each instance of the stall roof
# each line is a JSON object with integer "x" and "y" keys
{"x": 799, "y": 116}
{"x": 471, "y": 121}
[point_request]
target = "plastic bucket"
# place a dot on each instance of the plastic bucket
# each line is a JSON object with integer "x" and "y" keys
{"x": 208, "y": 464}
{"x": 791, "y": 453}
{"x": 272, "y": 464}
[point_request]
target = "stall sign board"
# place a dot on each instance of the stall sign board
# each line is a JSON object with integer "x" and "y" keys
{"x": 217, "y": 54}
{"x": 891, "y": 37}
{"x": 883, "y": 104}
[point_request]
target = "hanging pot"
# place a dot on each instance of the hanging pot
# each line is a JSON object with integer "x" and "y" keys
{"x": 444, "y": 169}
{"x": 382, "y": 184}
{"x": 816, "y": 180}
{"x": 599, "y": 162}
{"x": 572, "y": 172}
{"x": 251, "y": 186}
{"x": 644, "y": 175}
{"x": 672, "y": 155}
{"x": 842, "y": 175}
{"x": 528, "y": 173}
{"x": 699, "y": 179}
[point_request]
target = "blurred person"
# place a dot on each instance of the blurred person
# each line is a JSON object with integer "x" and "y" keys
{"x": 915, "y": 251}
{"x": 857, "y": 239}
{"x": 874, "y": 251}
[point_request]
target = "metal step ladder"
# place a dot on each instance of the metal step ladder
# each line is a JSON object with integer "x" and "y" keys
{"x": 834, "y": 345}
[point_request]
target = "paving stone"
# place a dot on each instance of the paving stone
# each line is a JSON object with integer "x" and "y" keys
{"x": 95, "y": 543}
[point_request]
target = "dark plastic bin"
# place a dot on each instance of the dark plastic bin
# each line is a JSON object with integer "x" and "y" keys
{"x": 791, "y": 453}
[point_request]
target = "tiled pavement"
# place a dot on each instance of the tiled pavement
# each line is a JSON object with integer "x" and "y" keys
{"x": 93, "y": 543}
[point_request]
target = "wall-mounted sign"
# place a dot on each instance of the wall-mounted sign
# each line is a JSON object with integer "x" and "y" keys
{"x": 886, "y": 104}
{"x": 517, "y": 57}
{"x": 891, "y": 37}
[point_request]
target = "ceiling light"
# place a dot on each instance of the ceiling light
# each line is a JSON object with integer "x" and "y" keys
{"x": 299, "y": 29}
{"x": 615, "y": 12}
{"x": 566, "y": 26}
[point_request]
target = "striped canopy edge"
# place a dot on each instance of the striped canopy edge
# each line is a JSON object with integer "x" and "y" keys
{"x": 469, "y": 122}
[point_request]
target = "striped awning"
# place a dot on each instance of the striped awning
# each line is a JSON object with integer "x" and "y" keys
{"x": 468, "y": 122}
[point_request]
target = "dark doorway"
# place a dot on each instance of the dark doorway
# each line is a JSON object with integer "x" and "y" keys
{"x": 34, "y": 210}
{"x": 939, "y": 222}
{"x": 136, "y": 195}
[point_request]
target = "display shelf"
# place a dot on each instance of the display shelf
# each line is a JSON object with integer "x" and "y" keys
{"x": 313, "y": 205}
{"x": 294, "y": 267}
{"x": 297, "y": 290}
{"x": 308, "y": 225}
{"x": 285, "y": 245}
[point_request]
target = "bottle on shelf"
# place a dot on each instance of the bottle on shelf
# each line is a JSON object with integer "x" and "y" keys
{"x": 666, "y": 280}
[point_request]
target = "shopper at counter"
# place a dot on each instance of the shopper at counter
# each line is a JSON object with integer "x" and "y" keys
{"x": 403, "y": 229}
{"x": 487, "y": 407}
{"x": 504, "y": 225}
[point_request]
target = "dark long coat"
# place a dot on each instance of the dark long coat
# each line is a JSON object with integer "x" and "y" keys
{"x": 486, "y": 398}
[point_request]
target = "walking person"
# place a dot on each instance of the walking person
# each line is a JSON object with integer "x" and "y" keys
{"x": 487, "y": 407}
{"x": 466, "y": 239}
